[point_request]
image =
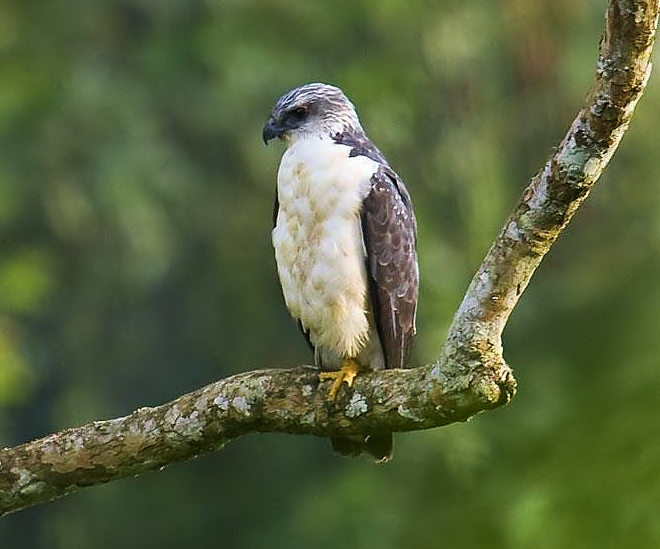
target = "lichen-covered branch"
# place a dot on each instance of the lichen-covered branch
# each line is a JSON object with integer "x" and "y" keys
{"x": 470, "y": 376}
{"x": 558, "y": 189}
{"x": 265, "y": 400}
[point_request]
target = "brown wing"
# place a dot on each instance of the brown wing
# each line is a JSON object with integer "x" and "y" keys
{"x": 390, "y": 238}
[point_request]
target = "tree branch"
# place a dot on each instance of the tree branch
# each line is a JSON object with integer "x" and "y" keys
{"x": 470, "y": 376}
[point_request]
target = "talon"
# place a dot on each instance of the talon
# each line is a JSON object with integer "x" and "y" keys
{"x": 349, "y": 369}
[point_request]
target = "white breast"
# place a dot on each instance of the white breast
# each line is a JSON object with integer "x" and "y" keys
{"x": 318, "y": 242}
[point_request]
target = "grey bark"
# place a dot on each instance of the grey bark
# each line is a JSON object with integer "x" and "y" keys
{"x": 470, "y": 375}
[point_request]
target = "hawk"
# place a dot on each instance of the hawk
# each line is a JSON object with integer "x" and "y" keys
{"x": 345, "y": 244}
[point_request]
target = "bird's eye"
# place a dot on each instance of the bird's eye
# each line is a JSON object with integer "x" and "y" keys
{"x": 299, "y": 113}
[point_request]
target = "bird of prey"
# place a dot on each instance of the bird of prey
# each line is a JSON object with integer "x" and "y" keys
{"x": 345, "y": 244}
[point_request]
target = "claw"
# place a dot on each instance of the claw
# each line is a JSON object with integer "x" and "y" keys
{"x": 349, "y": 369}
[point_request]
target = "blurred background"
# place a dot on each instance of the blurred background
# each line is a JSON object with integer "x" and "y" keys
{"x": 136, "y": 265}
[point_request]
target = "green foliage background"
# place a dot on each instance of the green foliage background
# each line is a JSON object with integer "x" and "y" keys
{"x": 135, "y": 265}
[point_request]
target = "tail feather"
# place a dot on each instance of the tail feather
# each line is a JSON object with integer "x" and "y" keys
{"x": 379, "y": 446}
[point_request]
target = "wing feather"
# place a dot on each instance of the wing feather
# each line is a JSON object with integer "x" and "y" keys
{"x": 390, "y": 236}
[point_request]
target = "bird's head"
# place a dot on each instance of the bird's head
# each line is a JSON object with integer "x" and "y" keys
{"x": 310, "y": 110}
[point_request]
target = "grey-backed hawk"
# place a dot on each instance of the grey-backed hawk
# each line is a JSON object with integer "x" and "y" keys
{"x": 345, "y": 244}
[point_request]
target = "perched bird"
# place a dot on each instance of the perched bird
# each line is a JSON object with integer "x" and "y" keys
{"x": 345, "y": 244}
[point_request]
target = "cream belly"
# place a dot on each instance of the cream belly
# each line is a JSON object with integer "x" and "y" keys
{"x": 318, "y": 243}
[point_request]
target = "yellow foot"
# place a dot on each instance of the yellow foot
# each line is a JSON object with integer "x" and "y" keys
{"x": 349, "y": 369}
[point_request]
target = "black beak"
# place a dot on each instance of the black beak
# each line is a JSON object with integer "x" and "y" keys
{"x": 271, "y": 130}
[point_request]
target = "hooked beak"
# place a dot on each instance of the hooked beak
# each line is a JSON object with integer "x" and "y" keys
{"x": 271, "y": 130}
